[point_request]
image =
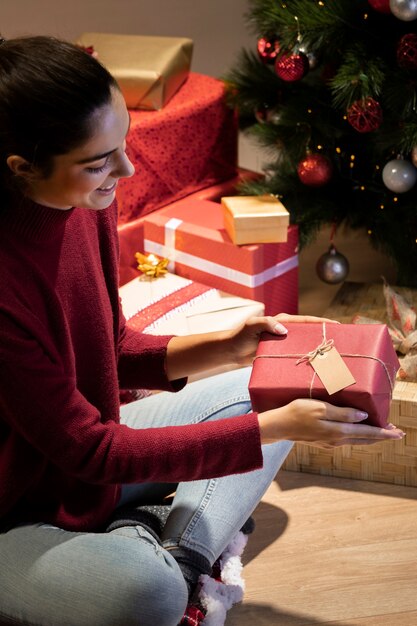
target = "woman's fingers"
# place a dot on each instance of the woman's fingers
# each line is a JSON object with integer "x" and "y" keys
{"x": 305, "y": 319}
{"x": 352, "y": 427}
{"x": 318, "y": 423}
{"x": 360, "y": 442}
{"x": 344, "y": 431}
{"x": 343, "y": 414}
{"x": 346, "y": 442}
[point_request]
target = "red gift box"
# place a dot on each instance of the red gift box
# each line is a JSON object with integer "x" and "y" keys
{"x": 189, "y": 144}
{"x": 191, "y": 234}
{"x": 131, "y": 233}
{"x": 282, "y": 372}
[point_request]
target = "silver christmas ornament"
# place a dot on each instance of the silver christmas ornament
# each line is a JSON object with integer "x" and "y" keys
{"x": 414, "y": 156}
{"x": 275, "y": 116}
{"x": 405, "y": 10}
{"x": 332, "y": 267}
{"x": 399, "y": 175}
{"x": 312, "y": 59}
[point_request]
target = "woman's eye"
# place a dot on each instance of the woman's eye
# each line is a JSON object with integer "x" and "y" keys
{"x": 97, "y": 170}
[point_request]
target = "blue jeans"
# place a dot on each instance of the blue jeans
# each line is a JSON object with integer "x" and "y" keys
{"x": 53, "y": 577}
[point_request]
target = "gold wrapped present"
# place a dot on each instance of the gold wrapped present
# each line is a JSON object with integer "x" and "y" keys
{"x": 255, "y": 219}
{"x": 149, "y": 70}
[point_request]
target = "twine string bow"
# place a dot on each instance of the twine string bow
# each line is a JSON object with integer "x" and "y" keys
{"x": 324, "y": 346}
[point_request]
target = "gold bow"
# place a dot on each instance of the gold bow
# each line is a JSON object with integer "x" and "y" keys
{"x": 151, "y": 265}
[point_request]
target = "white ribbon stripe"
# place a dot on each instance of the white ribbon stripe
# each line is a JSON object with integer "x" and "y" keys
{"x": 222, "y": 271}
{"x": 170, "y": 228}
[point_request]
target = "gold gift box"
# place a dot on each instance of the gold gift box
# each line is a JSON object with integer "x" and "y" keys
{"x": 255, "y": 219}
{"x": 149, "y": 70}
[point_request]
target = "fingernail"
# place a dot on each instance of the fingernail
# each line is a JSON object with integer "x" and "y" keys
{"x": 361, "y": 415}
{"x": 280, "y": 329}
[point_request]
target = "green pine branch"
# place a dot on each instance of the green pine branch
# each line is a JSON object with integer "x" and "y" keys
{"x": 359, "y": 76}
{"x": 356, "y": 51}
{"x": 323, "y": 24}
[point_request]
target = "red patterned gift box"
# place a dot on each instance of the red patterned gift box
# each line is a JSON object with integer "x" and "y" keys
{"x": 189, "y": 144}
{"x": 283, "y": 369}
{"x": 131, "y": 233}
{"x": 191, "y": 234}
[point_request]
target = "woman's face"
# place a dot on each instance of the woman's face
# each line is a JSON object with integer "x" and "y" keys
{"x": 88, "y": 175}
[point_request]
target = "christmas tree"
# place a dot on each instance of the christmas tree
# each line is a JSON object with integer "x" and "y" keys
{"x": 330, "y": 90}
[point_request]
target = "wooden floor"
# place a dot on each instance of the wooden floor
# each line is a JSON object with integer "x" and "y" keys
{"x": 331, "y": 551}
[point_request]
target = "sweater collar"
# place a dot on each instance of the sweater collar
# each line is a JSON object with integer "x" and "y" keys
{"x": 34, "y": 221}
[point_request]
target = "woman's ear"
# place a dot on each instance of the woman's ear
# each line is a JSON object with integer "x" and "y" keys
{"x": 22, "y": 168}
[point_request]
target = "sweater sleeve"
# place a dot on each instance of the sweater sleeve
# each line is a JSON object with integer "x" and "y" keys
{"x": 40, "y": 402}
{"x": 142, "y": 360}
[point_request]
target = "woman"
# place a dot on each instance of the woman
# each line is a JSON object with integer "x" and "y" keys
{"x": 69, "y": 456}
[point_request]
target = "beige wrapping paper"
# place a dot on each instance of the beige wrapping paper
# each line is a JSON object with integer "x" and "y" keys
{"x": 402, "y": 326}
{"x": 149, "y": 70}
{"x": 255, "y": 219}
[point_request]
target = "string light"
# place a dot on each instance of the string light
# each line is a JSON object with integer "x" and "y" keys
{"x": 382, "y": 206}
{"x": 365, "y": 16}
{"x": 362, "y": 188}
{"x": 319, "y": 147}
{"x": 377, "y": 167}
{"x": 369, "y": 232}
{"x": 309, "y": 111}
{"x": 395, "y": 199}
{"x": 352, "y": 157}
{"x": 320, "y": 3}
{"x": 351, "y": 165}
{"x": 338, "y": 150}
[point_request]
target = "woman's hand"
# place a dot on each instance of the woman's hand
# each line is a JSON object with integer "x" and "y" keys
{"x": 191, "y": 354}
{"x": 245, "y": 338}
{"x": 321, "y": 424}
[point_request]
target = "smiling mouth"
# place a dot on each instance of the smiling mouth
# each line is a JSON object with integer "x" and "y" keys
{"x": 106, "y": 189}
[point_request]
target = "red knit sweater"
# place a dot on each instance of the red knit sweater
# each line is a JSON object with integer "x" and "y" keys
{"x": 64, "y": 352}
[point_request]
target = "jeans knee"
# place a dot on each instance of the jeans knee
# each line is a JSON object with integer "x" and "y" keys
{"x": 157, "y": 596}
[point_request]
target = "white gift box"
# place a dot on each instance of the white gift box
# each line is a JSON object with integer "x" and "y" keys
{"x": 174, "y": 305}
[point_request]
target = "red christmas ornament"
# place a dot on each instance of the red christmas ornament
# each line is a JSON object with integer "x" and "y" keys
{"x": 315, "y": 170}
{"x": 262, "y": 113}
{"x": 407, "y": 52}
{"x": 365, "y": 115}
{"x": 382, "y": 6}
{"x": 292, "y": 67}
{"x": 268, "y": 49}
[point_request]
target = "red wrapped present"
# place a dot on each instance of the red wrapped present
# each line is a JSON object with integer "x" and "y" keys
{"x": 189, "y": 144}
{"x": 191, "y": 234}
{"x": 131, "y": 233}
{"x": 303, "y": 363}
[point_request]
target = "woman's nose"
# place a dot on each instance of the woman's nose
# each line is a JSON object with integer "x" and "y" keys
{"x": 123, "y": 168}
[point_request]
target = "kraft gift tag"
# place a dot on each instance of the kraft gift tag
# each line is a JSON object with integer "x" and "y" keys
{"x": 332, "y": 371}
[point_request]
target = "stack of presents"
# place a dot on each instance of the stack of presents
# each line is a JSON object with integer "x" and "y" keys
{"x": 227, "y": 257}
{"x": 230, "y": 256}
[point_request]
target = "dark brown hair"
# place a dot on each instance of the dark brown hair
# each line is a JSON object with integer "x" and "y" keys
{"x": 49, "y": 90}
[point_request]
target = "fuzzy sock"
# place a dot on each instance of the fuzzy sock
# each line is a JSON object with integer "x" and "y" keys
{"x": 248, "y": 527}
{"x": 152, "y": 517}
{"x": 192, "y": 564}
